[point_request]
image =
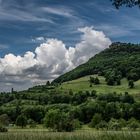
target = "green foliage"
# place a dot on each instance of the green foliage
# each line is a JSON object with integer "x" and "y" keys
{"x": 77, "y": 124}
{"x": 95, "y": 81}
{"x": 58, "y": 121}
{"x": 116, "y": 62}
{"x": 82, "y": 84}
{"x": 133, "y": 124}
{"x": 102, "y": 125}
{"x": 114, "y": 124}
{"x": 4, "y": 120}
{"x": 110, "y": 81}
{"x": 31, "y": 123}
{"x": 122, "y": 122}
{"x": 126, "y": 98}
{"x": 21, "y": 121}
{"x": 91, "y": 79}
{"x": 131, "y": 84}
{"x": 48, "y": 83}
{"x": 127, "y": 3}
{"x": 3, "y": 129}
{"x": 36, "y": 113}
{"x": 97, "y": 118}
{"x": 133, "y": 76}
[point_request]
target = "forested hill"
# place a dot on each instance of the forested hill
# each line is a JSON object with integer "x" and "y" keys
{"x": 118, "y": 61}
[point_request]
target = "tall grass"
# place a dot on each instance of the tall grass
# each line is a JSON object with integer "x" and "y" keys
{"x": 99, "y": 135}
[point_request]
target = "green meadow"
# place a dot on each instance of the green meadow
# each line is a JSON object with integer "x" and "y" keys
{"x": 83, "y": 84}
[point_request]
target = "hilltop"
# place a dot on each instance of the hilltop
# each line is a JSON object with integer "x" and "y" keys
{"x": 119, "y": 60}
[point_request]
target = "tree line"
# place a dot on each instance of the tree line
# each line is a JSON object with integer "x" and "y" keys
{"x": 71, "y": 109}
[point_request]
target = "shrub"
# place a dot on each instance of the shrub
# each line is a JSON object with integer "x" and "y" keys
{"x": 21, "y": 121}
{"x": 3, "y": 129}
{"x": 31, "y": 123}
{"x": 4, "y": 119}
{"x": 131, "y": 84}
{"x": 102, "y": 125}
{"x": 77, "y": 124}
{"x": 114, "y": 124}
{"x": 91, "y": 79}
{"x": 90, "y": 85}
{"x": 97, "y": 118}
{"x": 122, "y": 122}
{"x": 96, "y": 81}
{"x": 133, "y": 124}
{"x": 59, "y": 121}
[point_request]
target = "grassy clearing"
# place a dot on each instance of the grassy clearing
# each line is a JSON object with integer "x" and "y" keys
{"x": 81, "y": 135}
{"x": 82, "y": 84}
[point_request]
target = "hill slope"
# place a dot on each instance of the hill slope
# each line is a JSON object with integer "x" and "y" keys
{"x": 83, "y": 84}
{"x": 120, "y": 59}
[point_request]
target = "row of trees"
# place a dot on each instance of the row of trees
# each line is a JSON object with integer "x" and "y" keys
{"x": 80, "y": 108}
{"x": 113, "y": 124}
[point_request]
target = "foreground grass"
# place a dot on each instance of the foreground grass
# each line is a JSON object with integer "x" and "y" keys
{"x": 81, "y": 135}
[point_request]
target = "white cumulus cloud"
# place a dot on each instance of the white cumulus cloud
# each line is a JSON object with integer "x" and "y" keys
{"x": 49, "y": 60}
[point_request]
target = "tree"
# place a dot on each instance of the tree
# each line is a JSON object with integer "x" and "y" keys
{"x": 12, "y": 90}
{"x": 91, "y": 79}
{"x": 133, "y": 124}
{"x": 31, "y": 123}
{"x": 118, "y": 81}
{"x": 127, "y": 3}
{"x": 3, "y": 129}
{"x": 48, "y": 83}
{"x": 131, "y": 84}
{"x": 96, "y": 81}
{"x": 97, "y": 118}
{"x": 21, "y": 120}
{"x": 35, "y": 113}
{"x": 58, "y": 121}
{"x": 126, "y": 98}
{"x": 110, "y": 81}
{"x": 133, "y": 76}
{"x": 4, "y": 120}
{"x": 102, "y": 125}
{"x": 90, "y": 85}
{"x": 114, "y": 124}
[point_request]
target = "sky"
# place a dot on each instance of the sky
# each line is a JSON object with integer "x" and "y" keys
{"x": 42, "y": 39}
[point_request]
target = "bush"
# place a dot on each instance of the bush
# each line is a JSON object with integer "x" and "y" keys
{"x": 133, "y": 124}
{"x": 131, "y": 84}
{"x": 31, "y": 123}
{"x": 126, "y": 98}
{"x": 96, "y": 81}
{"x": 21, "y": 121}
{"x": 102, "y": 125}
{"x": 77, "y": 124}
{"x": 4, "y": 119}
{"x": 114, "y": 125}
{"x": 97, "y": 118}
{"x": 3, "y": 129}
{"x": 122, "y": 122}
{"x": 91, "y": 79}
{"x": 59, "y": 121}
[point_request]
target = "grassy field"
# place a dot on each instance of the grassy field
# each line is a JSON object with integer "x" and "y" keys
{"x": 79, "y": 135}
{"x": 82, "y": 84}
